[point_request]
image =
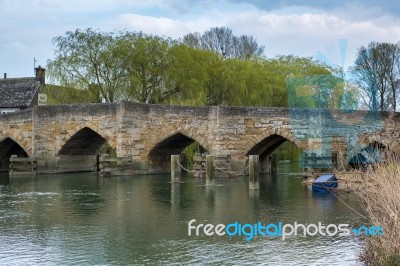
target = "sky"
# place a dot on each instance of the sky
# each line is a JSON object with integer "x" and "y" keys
{"x": 329, "y": 30}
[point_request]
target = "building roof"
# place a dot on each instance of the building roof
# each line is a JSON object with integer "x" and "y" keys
{"x": 18, "y": 92}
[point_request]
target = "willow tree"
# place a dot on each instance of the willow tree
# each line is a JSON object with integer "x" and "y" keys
{"x": 85, "y": 58}
{"x": 189, "y": 71}
{"x": 202, "y": 77}
{"x": 123, "y": 66}
{"x": 145, "y": 62}
{"x": 67, "y": 95}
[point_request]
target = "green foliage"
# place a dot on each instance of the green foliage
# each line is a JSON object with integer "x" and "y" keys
{"x": 85, "y": 58}
{"x": 107, "y": 149}
{"x": 189, "y": 152}
{"x": 322, "y": 91}
{"x": 152, "y": 69}
{"x": 64, "y": 95}
{"x": 189, "y": 72}
{"x": 288, "y": 151}
{"x": 145, "y": 60}
{"x": 204, "y": 78}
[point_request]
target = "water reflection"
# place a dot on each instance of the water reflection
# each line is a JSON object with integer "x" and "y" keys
{"x": 83, "y": 219}
{"x": 4, "y": 179}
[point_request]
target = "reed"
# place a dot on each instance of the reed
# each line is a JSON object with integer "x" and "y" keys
{"x": 381, "y": 202}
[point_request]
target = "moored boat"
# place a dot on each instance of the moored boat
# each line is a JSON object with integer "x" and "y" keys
{"x": 325, "y": 183}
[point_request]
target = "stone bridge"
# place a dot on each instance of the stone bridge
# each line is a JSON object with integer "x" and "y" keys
{"x": 67, "y": 138}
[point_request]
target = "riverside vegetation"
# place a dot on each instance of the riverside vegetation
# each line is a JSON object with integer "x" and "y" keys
{"x": 381, "y": 202}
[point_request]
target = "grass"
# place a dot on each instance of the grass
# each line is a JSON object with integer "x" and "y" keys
{"x": 381, "y": 201}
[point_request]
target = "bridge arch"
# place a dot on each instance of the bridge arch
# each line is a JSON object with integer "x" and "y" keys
{"x": 267, "y": 142}
{"x": 270, "y": 139}
{"x": 79, "y": 150}
{"x": 9, "y": 146}
{"x": 82, "y": 141}
{"x": 23, "y": 141}
{"x": 174, "y": 143}
{"x": 82, "y": 135}
{"x": 372, "y": 150}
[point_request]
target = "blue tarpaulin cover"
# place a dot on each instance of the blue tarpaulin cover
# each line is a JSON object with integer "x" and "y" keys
{"x": 324, "y": 183}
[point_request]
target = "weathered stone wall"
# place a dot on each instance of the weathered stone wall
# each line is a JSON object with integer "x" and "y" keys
{"x": 18, "y": 126}
{"x": 60, "y": 136}
{"x": 239, "y": 129}
{"x": 55, "y": 125}
{"x": 144, "y": 128}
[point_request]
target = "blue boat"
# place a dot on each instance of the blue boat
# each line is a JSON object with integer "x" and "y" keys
{"x": 324, "y": 183}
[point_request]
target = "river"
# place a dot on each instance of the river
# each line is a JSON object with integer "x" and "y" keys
{"x": 73, "y": 219}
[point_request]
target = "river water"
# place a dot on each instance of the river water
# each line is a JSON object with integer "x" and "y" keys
{"x": 82, "y": 219}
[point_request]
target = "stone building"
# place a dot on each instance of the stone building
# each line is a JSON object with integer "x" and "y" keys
{"x": 20, "y": 93}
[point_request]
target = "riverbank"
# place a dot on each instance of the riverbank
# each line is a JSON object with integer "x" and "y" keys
{"x": 381, "y": 202}
{"x": 378, "y": 189}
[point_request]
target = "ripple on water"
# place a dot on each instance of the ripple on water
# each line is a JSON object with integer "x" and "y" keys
{"x": 261, "y": 251}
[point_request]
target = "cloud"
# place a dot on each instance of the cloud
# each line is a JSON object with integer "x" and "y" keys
{"x": 153, "y": 25}
{"x": 305, "y": 29}
{"x": 16, "y": 45}
{"x": 305, "y": 34}
{"x": 174, "y": 28}
{"x": 309, "y": 33}
{"x": 387, "y": 6}
{"x": 77, "y": 6}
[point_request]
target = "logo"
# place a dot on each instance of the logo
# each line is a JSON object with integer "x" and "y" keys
{"x": 325, "y": 107}
{"x": 279, "y": 229}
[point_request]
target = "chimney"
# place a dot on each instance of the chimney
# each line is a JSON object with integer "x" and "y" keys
{"x": 5, "y": 75}
{"x": 40, "y": 74}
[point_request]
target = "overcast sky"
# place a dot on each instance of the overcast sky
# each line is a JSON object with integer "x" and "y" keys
{"x": 300, "y": 27}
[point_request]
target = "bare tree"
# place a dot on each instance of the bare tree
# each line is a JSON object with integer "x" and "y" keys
{"x": 377, "y": 73}
{"x": 193, "y": 40}
{"x": 222, "y": 41}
